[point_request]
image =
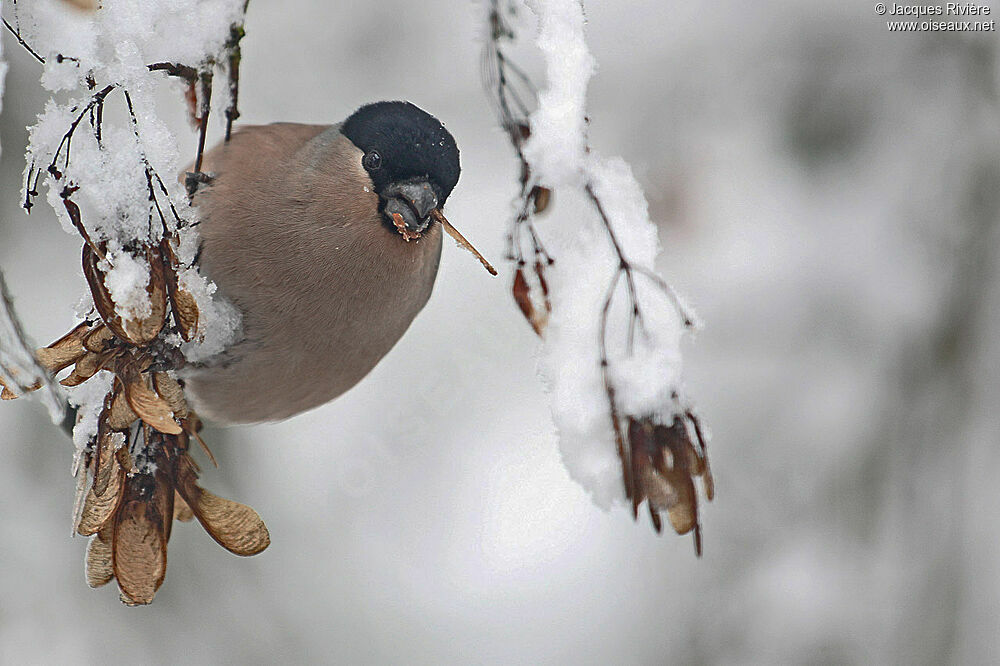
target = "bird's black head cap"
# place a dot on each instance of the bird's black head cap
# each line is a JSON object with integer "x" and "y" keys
{"x": 402, "y": 142}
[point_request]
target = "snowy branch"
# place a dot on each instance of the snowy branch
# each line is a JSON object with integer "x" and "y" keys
{"x": 151, "y": 312}
{"x": 613, "y": 367}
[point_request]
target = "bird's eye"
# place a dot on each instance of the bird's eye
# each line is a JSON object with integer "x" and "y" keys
{"x": 372, "y": 160}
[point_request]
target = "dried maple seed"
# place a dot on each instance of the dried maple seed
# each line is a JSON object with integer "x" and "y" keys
{"x": 88, "y": 366}
{"x": 186, "y": 314}
{"x": 102, "y": 298}
{"x": 522, "y": 296}
{"x": 150, "y": 407}
{"x": 182, "y": 302}
{"x": 100, "y": 570}
{"x": 120, "y": 416}
{"x": 662, "y": 464}
{"x": 98, "y": 339}
{"x": 65, "y": 351}
{"x": 236, "y": 527}
{"x": 139, "y": 547}
{"x": 170, "y": 390}
{"x": 99, "y": 508}
{"x": 541, "y": 196}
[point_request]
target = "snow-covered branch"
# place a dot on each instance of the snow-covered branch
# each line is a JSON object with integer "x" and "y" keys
{"x": 611, "y": 325}
{"x": 149, "y": 311}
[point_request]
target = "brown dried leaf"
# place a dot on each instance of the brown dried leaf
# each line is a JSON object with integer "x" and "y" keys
{"x": 151, "y": 408}
{"x": 100, "y": 570}
{"x": 236, "y": 527}
{"x": 139, "y": 547}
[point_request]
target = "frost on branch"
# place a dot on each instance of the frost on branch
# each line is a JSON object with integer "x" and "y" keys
{"x": 611, "y": 326}
{"x": 149, "y": 312}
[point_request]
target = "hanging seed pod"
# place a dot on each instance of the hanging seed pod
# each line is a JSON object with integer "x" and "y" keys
{"x": 236, "y": 527}
{"x": 139, "y": 332}
{"x": 100, "y": 507}
{"x": 182, "y": 302}
{"x": 185, "y": 309}
{"x": 120, "y": 416}
{"x": 139, "y": 545}
{"x": 102, "y": 298}
{"x": 88, "y": 366}
{"x": 142, "y": 399}
{"x": 540, "y": 196}
{"x": 98, "y": 339}
{"x": 65, "y": 351}
{"x": 522, "y": 296}
{"x": 171, "y": 392}
{"x": 150, "y": 407}
{"x": 100, "y": 570}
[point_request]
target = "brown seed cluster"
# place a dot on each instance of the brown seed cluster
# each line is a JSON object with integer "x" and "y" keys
{"x": 660, "y": 464}
{"x": 142, "y": 475}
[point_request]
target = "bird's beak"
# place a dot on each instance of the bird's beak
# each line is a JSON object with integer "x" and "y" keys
{"x": 411, "y": 207}
{"x": 413, "y": 201}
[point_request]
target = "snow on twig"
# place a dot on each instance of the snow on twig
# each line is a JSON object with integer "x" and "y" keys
{"x": 612, "y": 365}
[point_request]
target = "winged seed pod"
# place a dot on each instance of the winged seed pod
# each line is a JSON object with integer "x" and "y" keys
{"x": 236, "y": 527}
{"x": 182, "y": 302}
{"x": 525, "y": 298}
{"x": 139, "y": 332}
{"x": 100, "y": 570}
{"x": 660, "y": 466}
{"x": 139, "y": 543}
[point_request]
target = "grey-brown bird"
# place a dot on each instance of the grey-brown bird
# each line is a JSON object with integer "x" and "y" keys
{"x": 327, "y": 239}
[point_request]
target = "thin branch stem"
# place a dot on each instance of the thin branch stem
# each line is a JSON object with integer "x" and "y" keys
{"x": 20, "y": 40}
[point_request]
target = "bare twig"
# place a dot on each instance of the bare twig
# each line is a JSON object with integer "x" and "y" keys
{"x": 20, "y": 40}
{"x": 20, "y": 371}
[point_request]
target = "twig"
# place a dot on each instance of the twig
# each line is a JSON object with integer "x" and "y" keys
{"x": 20, "y": 40}
{"x": 17, "y": 360}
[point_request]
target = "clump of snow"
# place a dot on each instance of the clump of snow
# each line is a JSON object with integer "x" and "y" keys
{"x": 219, "y": 320}
{"x": 88, "y": 398}
{"x": 126, "y": 279}
{"x": 645, "y": 373}
{"x": 558, "y": 145}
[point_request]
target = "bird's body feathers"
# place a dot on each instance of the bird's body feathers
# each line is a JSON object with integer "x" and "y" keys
{"x": 293, "y": 237}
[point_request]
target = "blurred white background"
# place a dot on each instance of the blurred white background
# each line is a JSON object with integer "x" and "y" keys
{"x": 829, "y": 200}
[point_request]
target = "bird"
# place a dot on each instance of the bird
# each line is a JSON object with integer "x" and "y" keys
{"x": 327, "y": 240}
